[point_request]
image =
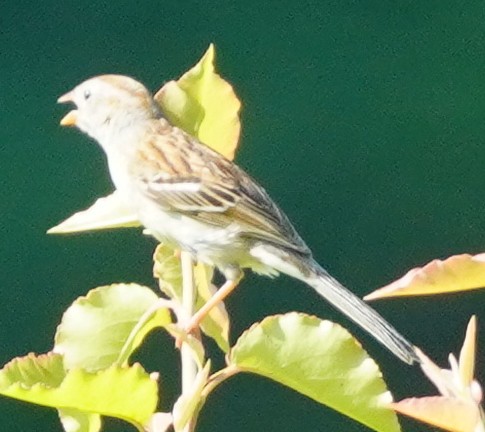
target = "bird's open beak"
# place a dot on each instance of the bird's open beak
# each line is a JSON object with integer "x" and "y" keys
{"x": 68, "y": 97}
{"x": 70, "y": 118}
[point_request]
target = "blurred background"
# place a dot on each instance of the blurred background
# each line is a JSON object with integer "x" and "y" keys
{"x": 364, "y": 120}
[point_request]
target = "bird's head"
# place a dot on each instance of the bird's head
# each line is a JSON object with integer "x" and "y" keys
{"x": 108, "y": 103}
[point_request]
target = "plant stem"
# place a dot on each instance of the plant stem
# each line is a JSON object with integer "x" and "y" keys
{"x": 189, "y": 367}
{"x": 218, "y": 378}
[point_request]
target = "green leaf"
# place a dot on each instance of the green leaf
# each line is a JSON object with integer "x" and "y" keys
{"x": 106, "y": 213}
{"x": 204, "y": 105}
{"x": 320, "y": 360}
{"x": 30, "y": 370}
{"x": 107, "y": 325}
{"x": 78, "y": 421}
{"x": 127, "y": 393}
{"x": 168, "y": 270}
{"x": 216, "y": 323}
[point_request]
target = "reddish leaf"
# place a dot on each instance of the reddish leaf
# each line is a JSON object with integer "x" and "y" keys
{"x": 457, "y": 273}
{"x": 447, "y": 413}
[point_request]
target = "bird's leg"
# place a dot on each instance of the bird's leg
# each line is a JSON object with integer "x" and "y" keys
{"x": 226, "y": 289}
{"x": 233, "y": 277}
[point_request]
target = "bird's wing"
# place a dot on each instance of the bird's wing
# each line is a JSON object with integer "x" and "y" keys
{"x": 190, "y": 194}
{"x": 182, "y": 174}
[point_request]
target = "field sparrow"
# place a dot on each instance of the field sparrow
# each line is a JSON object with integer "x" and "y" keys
{"x": 191, "y": 197}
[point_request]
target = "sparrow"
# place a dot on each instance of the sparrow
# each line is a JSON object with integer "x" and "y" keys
{"x": 193, "y": 198}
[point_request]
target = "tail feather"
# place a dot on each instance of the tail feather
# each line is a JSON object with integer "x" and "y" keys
{"x": 309, "y": 271}
{"x": 360, "y": 312}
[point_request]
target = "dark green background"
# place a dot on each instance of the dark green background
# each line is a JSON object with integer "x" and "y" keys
{"x": 364, "y": 120}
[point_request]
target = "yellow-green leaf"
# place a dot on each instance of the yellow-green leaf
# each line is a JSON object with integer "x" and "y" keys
{"x": 106, "y": 213}
{"x": 457, "y": 273}
{"x": 79, "y": 421}
{"x": 47, "y": 369}
{"x": 216, "y": 323}
{"x": 204, "y": 105}
{"x": 107, "y": 325}
{"x": 321, "y": 360}
{"x": 127, "y": 393}
{"x": 168, "y": 270}
{"x": 467, "y": 354}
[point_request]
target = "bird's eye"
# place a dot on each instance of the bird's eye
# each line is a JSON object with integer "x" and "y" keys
{"x": 87, "y": 94}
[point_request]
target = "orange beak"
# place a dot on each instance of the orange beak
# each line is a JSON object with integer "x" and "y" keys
{"x": 70, "y": 118}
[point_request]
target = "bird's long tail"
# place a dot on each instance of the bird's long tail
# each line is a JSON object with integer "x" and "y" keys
{"x": 309, "y": 271}
{"x": 358, "y": 311}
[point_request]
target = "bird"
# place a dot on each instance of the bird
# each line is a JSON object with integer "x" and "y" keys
{"x": 191, "y": 197}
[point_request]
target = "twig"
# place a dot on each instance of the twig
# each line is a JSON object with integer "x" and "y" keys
{"x": 189, "y": 367}
{"x": 218, "y": 378}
